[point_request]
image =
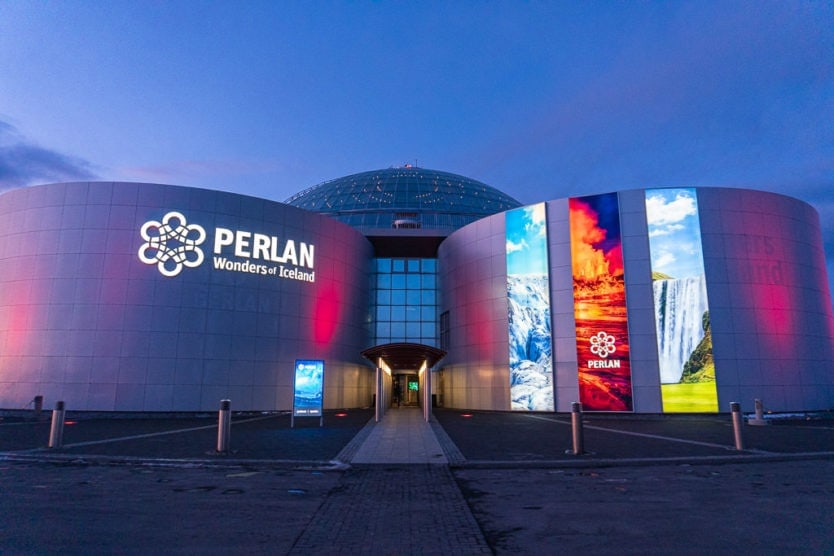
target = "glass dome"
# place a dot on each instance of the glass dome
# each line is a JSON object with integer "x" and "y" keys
{"x": 407, "y": 197}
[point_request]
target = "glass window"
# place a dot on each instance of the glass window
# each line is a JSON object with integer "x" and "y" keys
{"x": 383, "y": 312}
{"x": 413, "y": 330}
{"x": 405, "y": 293}
{"x": 412, "y": 297}
{"x": 445, "y": 333}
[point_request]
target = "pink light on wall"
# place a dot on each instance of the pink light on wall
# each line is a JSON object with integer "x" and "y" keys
{"x": 776, "y": 310}
{"x": 326, "y": 312}
{"x": 17, "y": 327}
{"x": 767, "y": 275}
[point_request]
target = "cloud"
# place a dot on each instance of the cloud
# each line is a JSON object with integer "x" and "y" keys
{"x": 535, "y": 216}
{"x": 536, "y": 213}
{"x": 24, "y": 163}
{"x": 663, "y": 260}
{"x": 513, "y": 247}
{"x": 659, "y": 212}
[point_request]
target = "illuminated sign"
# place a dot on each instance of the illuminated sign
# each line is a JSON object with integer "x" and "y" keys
{"x": 173, "y": 244}
{"x": 528, "y": 297}
{"x": 169, "y": 246}
{"x": 599, "y": 304}
{"x": 684, "y": 337}
{"x": 308, "y": 388}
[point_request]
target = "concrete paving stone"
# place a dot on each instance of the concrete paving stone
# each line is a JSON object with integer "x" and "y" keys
{"x": 401, "y": 436}
{"x": 384, "y": 509}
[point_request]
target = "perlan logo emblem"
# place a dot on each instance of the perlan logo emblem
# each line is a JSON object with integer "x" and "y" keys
{"x": 603, "y": 344}
{"x": 171, "y": 246}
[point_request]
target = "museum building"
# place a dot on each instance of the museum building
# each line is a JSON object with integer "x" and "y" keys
{"x": 149, "y": 297}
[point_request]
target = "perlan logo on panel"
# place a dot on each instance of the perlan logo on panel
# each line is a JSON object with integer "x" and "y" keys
{"x": 171, "y": 247}
{"x": 173, "y": 244}
{"x": 603, "y": 344}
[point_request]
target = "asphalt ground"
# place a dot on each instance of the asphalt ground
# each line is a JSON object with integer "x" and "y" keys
{"x": 253, "y": 436}
{"x": 492, "y": 438}
{"x": 770, "y": 508}
{"x": 645, "y": 485}
{"x": 481, "y": 437}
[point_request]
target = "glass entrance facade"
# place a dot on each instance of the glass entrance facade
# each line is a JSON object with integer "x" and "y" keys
{"x": 404, "y": 301}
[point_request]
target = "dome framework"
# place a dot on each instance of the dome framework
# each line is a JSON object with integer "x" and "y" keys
{"x": 407, "y": 198}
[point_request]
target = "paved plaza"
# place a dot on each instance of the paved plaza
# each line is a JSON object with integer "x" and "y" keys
{"x": 463, "y": 483}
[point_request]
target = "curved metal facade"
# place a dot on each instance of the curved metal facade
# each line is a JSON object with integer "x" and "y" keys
{"x": 88, "y": 316}
{"x": 770, "y": 317}
{"x": 147, "y": 297}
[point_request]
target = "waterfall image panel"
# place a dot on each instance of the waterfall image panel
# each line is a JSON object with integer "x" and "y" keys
{"x": 599, "y": 304}
{"x": 528, "y": 297}
{"x": 684, "y": 338}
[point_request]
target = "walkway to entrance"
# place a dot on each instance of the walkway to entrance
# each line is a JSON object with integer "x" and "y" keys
{"x": 404, "y": 506}
{"x": 402, "y": 436}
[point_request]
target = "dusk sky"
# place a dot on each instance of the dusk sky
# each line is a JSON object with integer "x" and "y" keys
{"x": 540, "y": 99}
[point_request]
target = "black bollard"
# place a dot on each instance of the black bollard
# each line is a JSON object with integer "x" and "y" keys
{"x": 735, "y": 409}
{"x": 576, "y": 427}
{"x": 56, "y": 431}
{"x": 224, "y": 426}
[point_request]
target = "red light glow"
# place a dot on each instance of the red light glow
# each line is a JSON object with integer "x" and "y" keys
{"x": 326, "y": 313}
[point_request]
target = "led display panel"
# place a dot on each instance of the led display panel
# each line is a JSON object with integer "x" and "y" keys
{"x": 600, "y": 304}
{"x": 684, "y": 338}
{"x": 308, "y": 388}
{"x": 528, "y": 295}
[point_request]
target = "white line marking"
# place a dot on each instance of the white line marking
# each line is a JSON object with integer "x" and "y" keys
{"x": 655, "y": 436}
{"x": 151, "y": 434}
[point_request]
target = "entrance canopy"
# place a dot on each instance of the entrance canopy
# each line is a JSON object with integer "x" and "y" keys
{"x": 404, "y": 356}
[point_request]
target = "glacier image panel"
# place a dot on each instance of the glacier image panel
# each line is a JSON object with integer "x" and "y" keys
{"x": 531, "y": 353}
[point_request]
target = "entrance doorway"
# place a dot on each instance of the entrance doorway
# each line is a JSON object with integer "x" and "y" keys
{"x": 405, "y": 389}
